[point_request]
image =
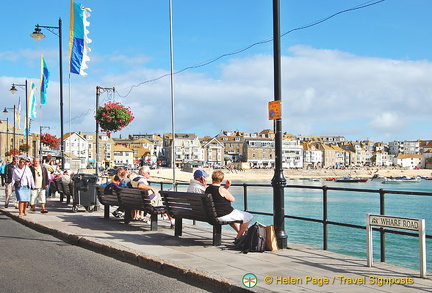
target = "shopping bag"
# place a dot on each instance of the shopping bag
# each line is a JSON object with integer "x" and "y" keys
{"x": 271, "y": 241}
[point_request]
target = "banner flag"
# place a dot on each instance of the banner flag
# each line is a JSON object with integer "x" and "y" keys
{"x": 32, "y": 101}
{"x": 44, "y": 79}
{"x": 78, "y": 40}
{"x": 17, "y": 113}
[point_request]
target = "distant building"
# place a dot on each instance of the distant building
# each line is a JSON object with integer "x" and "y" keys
{"x": 259, "y": 152}
{"x": 123, "y": 156}
{"x": 410, "y": 161}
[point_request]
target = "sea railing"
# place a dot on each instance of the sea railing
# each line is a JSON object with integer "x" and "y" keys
{"x": 324, "y": 220}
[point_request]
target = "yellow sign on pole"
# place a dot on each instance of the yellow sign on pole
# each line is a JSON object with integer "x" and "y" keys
{"x": 274, "y": 110}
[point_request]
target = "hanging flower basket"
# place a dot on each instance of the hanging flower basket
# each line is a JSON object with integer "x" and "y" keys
{"x": 113, "y": 117}
{"x": 24, "y": 148}
{"x": 50, "y": 140}
{"x": 14, "y": 152}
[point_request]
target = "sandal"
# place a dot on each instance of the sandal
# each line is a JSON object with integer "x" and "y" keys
{"x": 44, "y": 211}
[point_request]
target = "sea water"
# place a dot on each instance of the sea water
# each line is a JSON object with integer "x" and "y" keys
{"x": 347, "y": 207}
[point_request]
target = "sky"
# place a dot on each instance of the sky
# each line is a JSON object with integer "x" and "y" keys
{"x": 359, "y": 73}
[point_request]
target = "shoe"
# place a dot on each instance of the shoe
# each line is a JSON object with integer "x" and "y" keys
{"x": 44, "y": 211}
{"x": 33, "y": 211}
{"x": 6, "y": 206}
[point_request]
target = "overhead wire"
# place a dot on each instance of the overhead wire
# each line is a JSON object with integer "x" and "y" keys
{"x": 205, "y": 63}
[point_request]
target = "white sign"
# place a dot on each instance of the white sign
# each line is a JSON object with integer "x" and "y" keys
{"x": 398, "y": 223}
{"x": 395, "y": 222}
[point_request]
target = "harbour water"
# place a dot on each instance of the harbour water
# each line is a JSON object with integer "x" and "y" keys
{"x": 347, "y": 207}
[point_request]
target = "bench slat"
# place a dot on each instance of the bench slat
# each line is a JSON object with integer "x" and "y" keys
{"x": 193, "y": 206}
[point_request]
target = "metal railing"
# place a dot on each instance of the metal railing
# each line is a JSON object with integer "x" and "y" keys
{"x": 324, "y": 220}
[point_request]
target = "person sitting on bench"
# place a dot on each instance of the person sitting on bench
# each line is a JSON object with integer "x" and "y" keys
{"x": 222, "y": 199}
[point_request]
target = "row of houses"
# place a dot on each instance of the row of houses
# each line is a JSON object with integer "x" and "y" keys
{"x": 245, "y": 150}
{"x": 240, "y": 149}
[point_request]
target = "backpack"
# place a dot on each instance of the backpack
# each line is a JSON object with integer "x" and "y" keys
{"x": 254, "y": 240}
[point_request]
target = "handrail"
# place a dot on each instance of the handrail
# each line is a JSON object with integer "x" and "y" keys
{"x": 324, "y": 221}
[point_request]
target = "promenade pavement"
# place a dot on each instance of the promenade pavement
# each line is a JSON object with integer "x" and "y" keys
{"x": 296, "y": 269}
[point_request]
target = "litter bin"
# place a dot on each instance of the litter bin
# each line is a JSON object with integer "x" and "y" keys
{"x": 84, "y": 192}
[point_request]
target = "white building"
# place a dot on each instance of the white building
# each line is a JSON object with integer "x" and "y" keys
{"x": 76, "y": 151}
{"x": 410, "y": 161}
{"x": 292, "y": 154}
{"x": 123, "y": 156}
{"x": 312, "y": 155}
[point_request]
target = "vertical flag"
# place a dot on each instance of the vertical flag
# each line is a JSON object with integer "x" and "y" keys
{"x": 78, "y": 41}
{"x": 44, "y": 79}
{"x": 17, "y": 113}
{"x": 31, "y": 108}
{"x": 32, "y": 96}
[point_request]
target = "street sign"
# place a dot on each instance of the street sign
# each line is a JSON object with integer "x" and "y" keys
{"x": 398, "y": 223}
{"x": 274, "y": 110}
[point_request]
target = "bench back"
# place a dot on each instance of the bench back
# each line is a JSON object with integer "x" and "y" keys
{"x": 193, "y": 206}
{"x": 106, "y": 199}
{"x": 131, "y": 198}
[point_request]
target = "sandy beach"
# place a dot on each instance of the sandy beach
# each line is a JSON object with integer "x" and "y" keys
{"x": 267, "y": 174}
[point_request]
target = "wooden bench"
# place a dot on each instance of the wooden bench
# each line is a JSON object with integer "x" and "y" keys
{"x": 193, "y": 206}
{"x": 138, "y": 199}
{"x": 106, "y": 200}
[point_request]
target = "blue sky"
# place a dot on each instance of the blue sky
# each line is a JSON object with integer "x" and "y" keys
{"x": 362, "y": 74}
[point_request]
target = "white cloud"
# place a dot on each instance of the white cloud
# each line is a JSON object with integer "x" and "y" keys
{"x": 324, "y": 92}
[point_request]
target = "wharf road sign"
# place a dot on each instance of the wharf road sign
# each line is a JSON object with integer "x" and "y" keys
{"x": 397, "y": 223}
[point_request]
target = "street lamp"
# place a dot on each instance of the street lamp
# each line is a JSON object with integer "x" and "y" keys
{"x": 278, "y": 180}
{"x": 5, "y": 111}
{"x": 99, "y": 90}
{"x": 38, "y": 35}
{"x": 13, "y": 90}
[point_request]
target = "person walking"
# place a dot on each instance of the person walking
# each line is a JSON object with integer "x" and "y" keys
{"x": 41, "y": 182}
{"x": 22, "y": 182}
{"x": 8, "y": 179}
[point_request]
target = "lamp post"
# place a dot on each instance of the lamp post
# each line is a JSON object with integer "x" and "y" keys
{"x": 38, "y": 35}
{"x": 99, "y": 90}
{"x": 13, "y": 90}
{"x": 40, "y": 140}
{"x": 278, "y": 181}
{"x": 5, "y": 111}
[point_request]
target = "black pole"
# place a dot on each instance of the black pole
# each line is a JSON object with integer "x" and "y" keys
{"x": 97, "y": 132}
{"x": 278, "y": 181}
{"x": 61, "y": 96}
{"x": 14, "y": 131}
{"x": 27, "y": 118}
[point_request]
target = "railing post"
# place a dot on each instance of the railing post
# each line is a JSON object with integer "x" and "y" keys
{"x": 382, "y": 232}
{"x": 325, "y": 234}
{"x": 245, "y": 205}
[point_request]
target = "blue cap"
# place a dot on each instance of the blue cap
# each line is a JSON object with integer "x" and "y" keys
{"x": 200, "y": 173}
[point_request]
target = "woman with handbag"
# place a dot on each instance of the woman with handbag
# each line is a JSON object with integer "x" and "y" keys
{"x": 22, "y": 182}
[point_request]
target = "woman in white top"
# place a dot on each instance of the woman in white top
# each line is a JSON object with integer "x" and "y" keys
{"x": 23, "y": 178}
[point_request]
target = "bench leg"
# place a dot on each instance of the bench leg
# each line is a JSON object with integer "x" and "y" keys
{"x": 127, "y": 216}
{"x": 106, "y": 211}
{"x": 154, "y": 222}
{"x": 178, "y": 227}
{"x": 217, "y": 235}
